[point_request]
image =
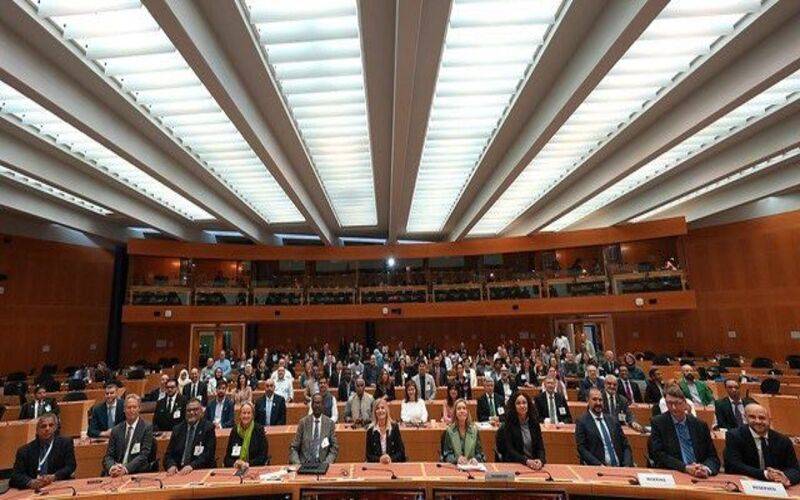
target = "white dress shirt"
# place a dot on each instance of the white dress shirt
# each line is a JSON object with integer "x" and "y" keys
{"x": 413, "y": 411}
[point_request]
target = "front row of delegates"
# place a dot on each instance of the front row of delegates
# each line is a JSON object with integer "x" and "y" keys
{"x": 678, "y": 441}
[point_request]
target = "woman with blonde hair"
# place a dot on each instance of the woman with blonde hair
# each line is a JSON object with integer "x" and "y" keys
{"x": 247, "y": 443}
{"x": 384, "y": 443}
{"x": 461, "y": 443}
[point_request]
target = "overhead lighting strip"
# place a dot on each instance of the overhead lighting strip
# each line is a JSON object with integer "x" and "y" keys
{"x": 678, "y": 41}
{"x": 126, "y": 44}
{"x": 18, "y": 108}
{"x": 7, "y": 173}
{"x": 766, "y": 103}
{"x": 738, "y": 176}
{"x": 313, "y": 49}
{"x": 490, "y": 50}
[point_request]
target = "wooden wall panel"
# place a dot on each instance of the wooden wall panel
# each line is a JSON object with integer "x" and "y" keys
{"x": 57, "y": 296}
{"x": 141, "y": 342}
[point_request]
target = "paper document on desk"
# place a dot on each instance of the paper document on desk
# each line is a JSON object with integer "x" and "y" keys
{"x": 485, "y": 426}
{"x": 472, "y": 468}
{"x": 277, "y": 475}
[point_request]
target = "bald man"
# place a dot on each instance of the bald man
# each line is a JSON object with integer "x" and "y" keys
{"x": 757, "y": 451}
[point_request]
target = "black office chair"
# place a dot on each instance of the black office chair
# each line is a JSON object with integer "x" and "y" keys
{"x": 76, "y": 385}
{"x": 729, "y": 363}
{"x": 794, "y": 361}
{"x": 75, "y": 396}
{"x": 770, "y": 386}
{"x": 649, "y": 355}
{"x": 661, "y": 360}
{"x": 762, "y": 363}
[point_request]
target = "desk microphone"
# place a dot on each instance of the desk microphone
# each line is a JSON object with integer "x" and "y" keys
{"x": 534, "y": 472}
{"x": 51, "y": 490}
{"x": 140, "y": 479}
{"x": 454, "y": 467}
{"x": 719, "y": 483}
{"x": 381, "y": 469}
{"x": 631, "y": 479}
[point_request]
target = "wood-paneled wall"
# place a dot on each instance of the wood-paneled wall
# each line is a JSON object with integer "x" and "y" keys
{"x": 152, "y": 342}
{"x": 55, "y": 304}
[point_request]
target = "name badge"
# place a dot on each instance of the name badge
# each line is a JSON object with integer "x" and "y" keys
{"x": 523, "y": 377}
{"x": 621, "y": 417}
{"x": 562, "y": 410}
{"x": 656, "y": 480}
{"x": 198, "y": 450}
{"x": 236, "y": 451}
{"x": 136, "y": 448}
{"x": 763, "y": 488}
{"x": 325, "y": 443}
{"x": 501, "y": 410}
{"x": 176, "y": 414}
{"x": 47, "y": 408}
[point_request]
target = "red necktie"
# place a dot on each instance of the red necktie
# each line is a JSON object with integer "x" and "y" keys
{"x": 629, "y": 391}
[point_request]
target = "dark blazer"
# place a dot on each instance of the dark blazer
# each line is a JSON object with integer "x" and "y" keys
{"x": 484, "y": 410}
{"x": 227, "y": 413}
{"x": 741, "y": 454}
{"x": 498, "y": 388}
{"x": 342, "y": 389}
{"x": 204, "y": 435}
{"x": 98, "y": 420}
{"x": 138, "y": 461}
{"x": 60, "y": 462}
{"x": 278, "y": 414}
{"x": 258, "y": 454}
{"x": 530, "y": 378}
{"x": 399, "y": 381}
{"x": 635, "y": 389}
{"x": 509, "y": 443}
{"x": 165, "y": 421}
{"x": 723, "y": 409}
{"x": 27, "y": 410}
{"x": 665, "y": 450}
{"x": 622, "y": 408}
{"x": 585, "y": 385}
{"x": 334, "y": 377}
{"x": 652, "y": 394}
{"x": 564, "y": 416}
{"x": 201, "y": 392}
{"x": 381, "y": 391}
{"x": 394, "y": 445}
{"x": 590, "y": 443}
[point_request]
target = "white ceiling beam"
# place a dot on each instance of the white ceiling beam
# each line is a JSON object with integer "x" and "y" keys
{"x": 36, "y": 158}
{"x": 774, "y": 139}
{"x": 771, "y": 60}
{"x": 771, "y": 205}
{"x": 28, "y": 202}
{"x": 36, "y": 62}
{"x": 196, "y": 38}
{"x": 564, "y": 85}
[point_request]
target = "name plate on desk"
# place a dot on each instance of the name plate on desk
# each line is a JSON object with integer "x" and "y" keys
{"x": 763, "y": 488}
{"x": 500, "y": 476}
{"x": 655, "y": 480}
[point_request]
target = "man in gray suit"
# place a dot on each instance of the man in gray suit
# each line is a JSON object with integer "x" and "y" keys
{"x": 130, "y": 444}
{"x": 426, "y": 386}
{"x": 315, "y": 440}
{"x": 358, "y": 409}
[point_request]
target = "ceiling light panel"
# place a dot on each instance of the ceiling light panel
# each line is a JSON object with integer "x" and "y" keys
{"x": 489, "y": 50}
{"x": 19, "y": 109}
{"x": 760, "y": 167}
{"x": 313, "y": 49}
{"x": 771, "y": 100}
{"x": 677, "y": 42}
{"x": 126, "y": 44}
{"x": 7, "y": 173}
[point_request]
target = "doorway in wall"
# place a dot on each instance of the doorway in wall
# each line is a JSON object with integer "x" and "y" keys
{"x": 599, "y": 330}
{"x": 207, "y": 340}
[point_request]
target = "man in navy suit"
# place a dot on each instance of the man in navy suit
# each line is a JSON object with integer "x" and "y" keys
{"x": 271, "y": 408}
{"x": 107, "y": 414}
{"x": 599, "y": 436}
{"x": 220, "y": 409}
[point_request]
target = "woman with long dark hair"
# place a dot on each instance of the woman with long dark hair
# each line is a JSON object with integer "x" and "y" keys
{"x": 519, "y": 439}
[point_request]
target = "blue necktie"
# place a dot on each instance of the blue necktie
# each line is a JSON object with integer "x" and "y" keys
{"x": 111, "y": 416}
{"x": 607, "y": 442}
{"x": 268, "y": 411}
{"x": 685, "y": 440}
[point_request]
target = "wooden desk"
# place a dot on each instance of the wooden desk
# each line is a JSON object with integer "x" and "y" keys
{"x": 74, "y": 417}
{"x": 13, "y": 435}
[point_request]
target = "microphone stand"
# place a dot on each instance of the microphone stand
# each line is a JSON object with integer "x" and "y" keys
{"x": 140, "y": 480}
{"x": 534, "y": 472}
{"x": 51, "y": 490}
{"x": 719, "y": 483}
{"x": 381, "y": 469}
{"x": 454, "y": 467}
{"x": 633, "y": 480}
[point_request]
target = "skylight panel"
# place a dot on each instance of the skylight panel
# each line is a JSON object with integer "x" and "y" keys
{"x": 771, "y": 100}
{"x": 17, "y": 108}
{"x": 7, "y": 173}
{"x": 313, "y": 49}
{"x": 489, "y": 50}
{"x": 678, "y": 41}
{"x": 125, "y": 43}
{"x": 764, "y": 165}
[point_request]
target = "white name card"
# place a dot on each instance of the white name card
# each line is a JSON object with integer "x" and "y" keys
{"x": 655, "y": 480}
{"x": 763, "y": 488}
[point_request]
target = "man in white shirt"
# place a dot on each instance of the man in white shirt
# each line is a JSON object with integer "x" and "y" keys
{"x": 283, "y": 384}
{"x": 561, "y": 342}
{"x": 359, "y": 407}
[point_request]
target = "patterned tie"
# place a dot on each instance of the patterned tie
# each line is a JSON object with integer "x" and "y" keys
{"x": 552, "y": 409}
{"x": 315, "y": 441}
{"x": 628, "y": 391}
{"x": 111, "y": 417}
{"x": 607, "y": 442}
{"x": 187, "y": 450}
{"x": 127, "y": 444}
{"x": 685, "y": 441}
{"x": 268, "y": 412}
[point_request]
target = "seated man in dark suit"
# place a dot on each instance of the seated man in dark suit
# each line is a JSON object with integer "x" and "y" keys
{"x": 599, "y": 436}
{"x": 220, "y": 410}
{"x": 680, "y": 441}
{"x": 39, "y": 406}
{"x": 131, "y": 443}
{"x": 505, "y": 386}
{"x": 159, "y": 392}
{"x": 192, "y": 444}
{"x": 757, "y": 451}
{"x": 107, "y": 414}
{"x": 490, "y": 408}
{"x": 551, "y": 404}
{"x": 629, "y": 388}
{"x": 591, "y": 380}
{"x": 46, "y": 459}
{"x": 730, "y": 411}
{"x": 271, "y": 408}
{"x": 617, "y": 406}
{"x": 655, "y": 386}
{"x": 169, "y": 409}
{"x": 196, "y": 388}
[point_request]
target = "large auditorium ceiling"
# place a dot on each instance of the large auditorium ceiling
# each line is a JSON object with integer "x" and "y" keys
{"x": 394, "y": 120}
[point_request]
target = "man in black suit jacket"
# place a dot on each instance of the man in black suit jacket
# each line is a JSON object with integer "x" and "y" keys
{"x": 629, "y": 388}
{"x": 130, "y": 446}
{"x": 46, "y": 459}
{"x": 335, "y": 374}
{"x": 697, "y": 455}
{"x": 99, "y": 424}
{"x": 655, "y": 387}
{"x": 505, "y": 386}
{"x": 195, "y": 388}
{"x": 489, "y": 405}
{"x": 347, "y": 385}
{"x": 600, "y": 438}
{"x": 559, "y": 404}
{"x": 39, "y": 406}
{"x": 192, "y": 444}
{"x": 169, "y": 409}
{"x": 757, "y": 451}
{"x": 592, "y": 379}
{"x": 277, "y": 406}
{"x": 616, "y": 405}
{"x": 159, "y": 392}
{"x": 729, "y": 411}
